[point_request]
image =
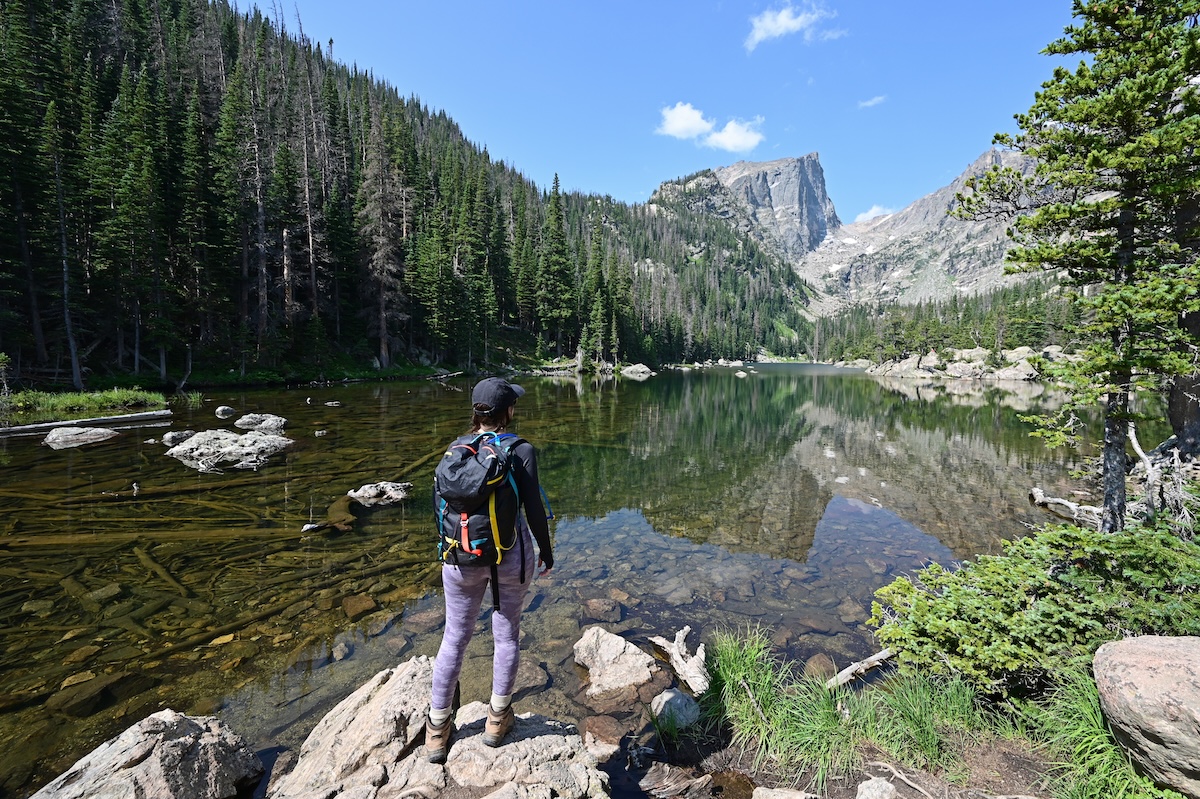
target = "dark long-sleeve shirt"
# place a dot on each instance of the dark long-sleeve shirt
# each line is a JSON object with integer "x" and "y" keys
{"x": 525, "y": 472}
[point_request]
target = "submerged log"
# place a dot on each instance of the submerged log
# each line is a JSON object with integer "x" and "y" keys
{"x": 41, "y": 427}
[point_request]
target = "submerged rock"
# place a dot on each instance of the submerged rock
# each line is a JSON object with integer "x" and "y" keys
{"x": 209, "y": 450}
{"x": 68, "y": 437}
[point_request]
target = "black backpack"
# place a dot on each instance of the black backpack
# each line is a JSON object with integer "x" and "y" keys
{"x": 476, "y": 503}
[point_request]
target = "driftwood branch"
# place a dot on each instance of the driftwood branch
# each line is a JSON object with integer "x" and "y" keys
{"x": 34, "y": 429}
{"x": 1151, "y": 470}
{"x": 861, "y": 667}
{"x": 900, "y": 776}
{"x": 1072, "y": 511}
{"x": 690, "y": 668}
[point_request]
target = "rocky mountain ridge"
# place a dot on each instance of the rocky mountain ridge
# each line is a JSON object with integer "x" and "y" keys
{"x": 913, "y": 255}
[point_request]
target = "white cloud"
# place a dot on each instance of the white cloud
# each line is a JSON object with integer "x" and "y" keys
{"x": 736, "y": 136}
{"x": 874, "y": 211}
{"x": 684, "y": 122}
{"x": 874, "y": 101}
{"x": 786, "y": 21}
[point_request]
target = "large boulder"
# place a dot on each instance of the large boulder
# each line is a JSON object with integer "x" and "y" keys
{"x": 637, "y": 371}
{"x": 208, "y": 450}
{"x": 368, "y": 747}
{"x": 1150, "y": 693}
{"x": 68, "y": 437}
{"x": 168, "y": 756}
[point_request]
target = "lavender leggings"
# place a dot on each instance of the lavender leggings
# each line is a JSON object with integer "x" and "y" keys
{"x": 465, "y": 589}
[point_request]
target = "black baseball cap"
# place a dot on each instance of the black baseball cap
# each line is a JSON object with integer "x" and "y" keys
{"x": 494, "y": 394}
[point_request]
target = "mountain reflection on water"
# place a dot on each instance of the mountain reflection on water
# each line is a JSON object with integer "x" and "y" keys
{"x": 784, "y": 498}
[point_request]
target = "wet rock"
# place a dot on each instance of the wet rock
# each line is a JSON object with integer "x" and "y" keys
{"x": 87, "y": 697}
{"x": 1150, "y": 693}
{"x": 380, "y": 494}
{"x": 820, "y": 666}
{"x": 358, "y": 605}
{"x": 167, "y": 755}
{"x": 174, "y": 437}
{"x": 665, "y": 781}
{"x": 602, "y": 610}
{"x": 81, "y": 654}
{"x": 341, "y": 651}
{"x": 425, "y": 621}
{"x": 381, "y": 622}
{"x": 209, "y": 450}
{"x": 877, "y": 565}
{"x": 224, "y": 412}
{"x": 675, "y": 708}
{"x": 531, "y": 678}
{"x": 263, "y": 422}
{"x": 68, "y": 437}
{"x": 1022, "y": 370}
{"x": 38, "y": 607}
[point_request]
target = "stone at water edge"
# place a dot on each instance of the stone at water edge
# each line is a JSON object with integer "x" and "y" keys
{"x": 265, "y": 422}
{"x": 675, "y": 708}
{"x": 1150, "y": 693}
{"x": 612, "y": 662}
{"x": 69, "y": 437}
{"x": 166, "y": 755}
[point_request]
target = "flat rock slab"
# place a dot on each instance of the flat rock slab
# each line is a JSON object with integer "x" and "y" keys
{"x": 166, "y": 755}
{"x": 68, "y": 437}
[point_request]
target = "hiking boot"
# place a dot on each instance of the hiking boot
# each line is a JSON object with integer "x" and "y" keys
{"x": 437, "y": 740}
{"x": 498, "y": 725}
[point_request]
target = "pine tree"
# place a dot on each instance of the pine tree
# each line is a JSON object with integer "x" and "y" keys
{"x": 555, "y": 292}
{"x": 1115, "y": 198}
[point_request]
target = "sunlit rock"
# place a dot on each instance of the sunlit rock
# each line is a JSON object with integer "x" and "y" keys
{"x": 266, "y": 422}
{"x": 209, "y": 450}
{"x": 1150, "y": 693}
{"x": 68, "y": 437}
{"x": 166, "y": 755}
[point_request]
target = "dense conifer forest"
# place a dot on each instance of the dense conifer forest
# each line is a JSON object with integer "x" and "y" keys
{"x": 186, "y": 185}
{"x": 1035, "y": 313}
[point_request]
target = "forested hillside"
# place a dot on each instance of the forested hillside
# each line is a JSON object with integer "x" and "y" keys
{"x": 1035, "y": 313}
{"x": 189, "y": 186}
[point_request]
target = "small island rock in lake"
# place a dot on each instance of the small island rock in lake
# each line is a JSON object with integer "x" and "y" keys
{"x": 209, "y": 450}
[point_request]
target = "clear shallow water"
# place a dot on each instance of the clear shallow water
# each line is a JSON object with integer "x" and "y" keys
{"x": 784, "y": 499}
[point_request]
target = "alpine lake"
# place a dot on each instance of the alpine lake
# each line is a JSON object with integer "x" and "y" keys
{"x": 782, "y": 497}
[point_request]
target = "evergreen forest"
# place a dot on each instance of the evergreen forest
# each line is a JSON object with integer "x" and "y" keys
{"x": 190, "y": 186}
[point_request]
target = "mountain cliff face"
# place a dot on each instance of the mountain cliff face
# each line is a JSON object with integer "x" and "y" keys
{"x": 786, "y": 197}
{"x": 781, "y": 204}
{"x": 916, "y": 254}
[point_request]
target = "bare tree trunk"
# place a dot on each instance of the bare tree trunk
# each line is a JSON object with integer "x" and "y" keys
{"x": 76, "y": 374}
{"x": 288, "y": 294}
{"x": 1114, "y": 458}
{"x": 1183, "y": 401}
{"x": 41, "y": 354}
{"x": 385, "y": 356}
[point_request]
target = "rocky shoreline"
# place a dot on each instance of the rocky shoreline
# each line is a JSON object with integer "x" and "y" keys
{"x": 370, "y": 746}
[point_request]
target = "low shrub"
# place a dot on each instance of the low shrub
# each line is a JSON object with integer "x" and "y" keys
{"x": 1008, "y": 623}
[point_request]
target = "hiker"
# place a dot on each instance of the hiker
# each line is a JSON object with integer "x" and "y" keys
{"x": 493, "y": 404}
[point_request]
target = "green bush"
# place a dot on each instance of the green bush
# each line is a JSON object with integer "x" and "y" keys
{"x": 1008, "y": 622}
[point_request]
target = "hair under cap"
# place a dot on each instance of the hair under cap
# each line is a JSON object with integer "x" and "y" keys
{"x": 494, "y": 394}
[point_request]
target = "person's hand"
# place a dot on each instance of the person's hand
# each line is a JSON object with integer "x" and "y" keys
{"x": 545, "y": 569}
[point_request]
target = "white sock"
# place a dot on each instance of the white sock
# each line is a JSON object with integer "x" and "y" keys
{"x": 501, "y": 703}
{"x": 438, "y": 717}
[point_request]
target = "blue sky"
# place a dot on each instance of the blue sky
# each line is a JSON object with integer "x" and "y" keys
{"x": 616, "y": 97}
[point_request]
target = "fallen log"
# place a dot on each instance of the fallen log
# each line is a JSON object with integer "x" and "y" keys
{"x": 1065, "y": 508}
{"x": 34, "y": 429}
